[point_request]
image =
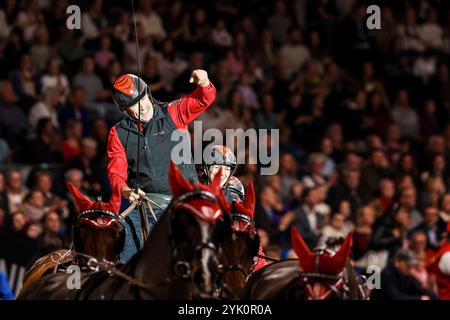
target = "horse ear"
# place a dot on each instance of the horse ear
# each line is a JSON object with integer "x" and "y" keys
{"x": 82, "y": 202}
{"x": 305, "y": 256}
{"x": 249, "y": 201}
{"x": 178, "y": 184}
{"x": 115, "y": 200}
{"x": 339, "y": 260}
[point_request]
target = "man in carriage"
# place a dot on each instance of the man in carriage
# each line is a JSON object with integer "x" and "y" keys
{"x": 149, "y": 123}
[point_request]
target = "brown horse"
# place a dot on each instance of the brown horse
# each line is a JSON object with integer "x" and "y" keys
{"x": 96, "y": 233}
{"x": 178, "y": 261}
{"x": 240, "y": 248}
{"x": 318, "y": 275}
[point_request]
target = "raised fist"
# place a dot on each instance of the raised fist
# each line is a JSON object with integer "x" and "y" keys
{"x": 199, "y": 77}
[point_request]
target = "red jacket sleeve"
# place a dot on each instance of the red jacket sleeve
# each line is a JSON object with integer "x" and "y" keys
{"x": 117, "y": 161}
{"x": 184, "y": 110}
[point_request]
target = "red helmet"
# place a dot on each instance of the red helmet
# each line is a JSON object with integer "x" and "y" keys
{"x": 128, "y": 90}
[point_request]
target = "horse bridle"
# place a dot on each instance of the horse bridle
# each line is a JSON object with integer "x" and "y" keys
{"x": 236, "y": 266}
{"x": 182, "y": 267}
{"x": 339, "y": 280}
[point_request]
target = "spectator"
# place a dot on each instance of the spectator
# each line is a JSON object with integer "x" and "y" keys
{"x": 397, "y": 283}
{"x": 365, "y": 220}
{"x": 334, "y": 230}
{"x": 55, "y": 79}
{"x": 432, "y": 226}
{"x": 50, "y": 240}
{"x": 16, "y": 191}
{"x": 46, "y": 147}
{"x": 34, "y": 207}
{"x": 76, "y": 110}
{"x": 12, "y": 118}
{"x": 405, "y": 117}
{"x": 444, "y": 212}
{"x": 294, "y": 53}
{"x": 26, "y": 81}
{"x": 87, "y": 163}
{"x": 384, "y": 201}
{"x": 391, "y": 235}
{"x": 307, "y": 221}
{"x": 150, "y": 20}
{"x": 47, "y": 108}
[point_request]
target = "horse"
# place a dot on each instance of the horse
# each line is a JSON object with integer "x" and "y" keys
{"x": 97, "y": 233}
{"x": 240, "y": 248}
{"x": 179, "y": 259}
{"x": 319, "y": 275}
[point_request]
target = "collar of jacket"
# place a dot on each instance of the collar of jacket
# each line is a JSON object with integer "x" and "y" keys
{"x": 130, "y": 123}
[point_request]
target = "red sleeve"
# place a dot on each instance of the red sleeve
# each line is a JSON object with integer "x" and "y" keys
{"x": 117, "y": 161}
{"x": 184, "y": 110}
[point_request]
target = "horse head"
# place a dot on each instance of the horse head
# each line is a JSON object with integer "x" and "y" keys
{"x": 97, "y": 231}
{"x": 197, "y": 230}
{"x": 322, "y": 272}
{"x": 241, "y": 244}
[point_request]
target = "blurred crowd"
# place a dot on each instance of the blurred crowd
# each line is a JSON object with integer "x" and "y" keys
{"x": 363, "y": 114}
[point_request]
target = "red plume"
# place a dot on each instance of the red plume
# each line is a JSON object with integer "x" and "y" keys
{"x": 328, "y": 264}
{"x": 215, "y": 183}
{"x": 178, "y": 184}
{"x": 306, "y": 258}
{"x": 249, "y": 201}
{"x": 83, "y": 203}
{"x": 335, "y": 264}
{"x": 114, "y": 201}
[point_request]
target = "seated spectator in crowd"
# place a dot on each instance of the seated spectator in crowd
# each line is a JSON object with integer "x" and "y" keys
{"x": 267, "y": 211}
{"x": 26, "y": 81}
{"x": 16, "y": 191}
{"x": 365, "y": 219}
{"x": 45, "y": 108}
{"x": 18, "y": 221}
{"x": 44, "y": 182}
{"x": 267, "y": 118}
{"x": 397, "y": 283}
{"x": 408, "y": 200}
{"x": 12, "y": 118}
{"x": 34, "y": 206}
{"x": 50, "y": 239}
{"x": 308, "y": 222}
{"x": 87, "y": 163}
{"x": 433, "y": 226}
{"x": 71, "y": 146}
{"x": 46, "y": 148}
{"x": 349, "y": 189}
{"x": 314, "y": 177}
{"x": 55, "y": 79}
{"x": 76, "y": 110}
{"x": 391, "y": 235}
{"x": 287, "y": 173}
{"x": 377, "y": 169}
{"x": 384, "y": 201}
{"x": 88, "y": 79}
{"x": 405, "y": 117}
{"x": 334, "y": 230}
{"x": 444, "y": 212}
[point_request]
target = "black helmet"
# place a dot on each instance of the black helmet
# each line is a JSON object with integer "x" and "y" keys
{"x": 220, "y": 155}
{"x": 128, "y": 90}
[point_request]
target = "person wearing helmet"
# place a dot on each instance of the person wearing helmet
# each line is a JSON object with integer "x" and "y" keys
{"x": 223, "y": 158}
{"x": 149, "y": 124}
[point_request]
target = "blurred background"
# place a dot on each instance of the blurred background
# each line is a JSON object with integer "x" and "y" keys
{"x": 363, "y": 114}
